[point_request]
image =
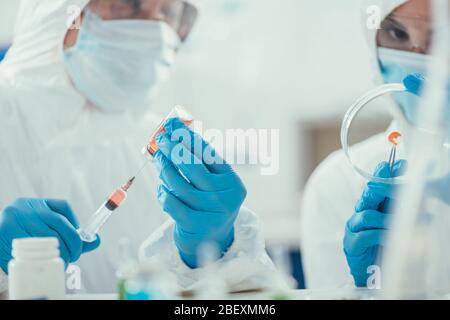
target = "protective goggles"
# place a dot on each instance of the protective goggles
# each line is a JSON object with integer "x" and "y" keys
{"x": 181, "y": 15}
{"x": 406, "y": 33}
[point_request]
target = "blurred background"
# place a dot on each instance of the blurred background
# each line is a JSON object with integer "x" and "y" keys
{"x": 292, "y": 65}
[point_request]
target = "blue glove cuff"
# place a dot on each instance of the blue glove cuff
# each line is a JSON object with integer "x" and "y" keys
{"x": 359, "y": 268}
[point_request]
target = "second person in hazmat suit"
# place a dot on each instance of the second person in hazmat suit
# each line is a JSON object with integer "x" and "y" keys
{"x": 74, "y": 99}
{"x": 337, "y": 204}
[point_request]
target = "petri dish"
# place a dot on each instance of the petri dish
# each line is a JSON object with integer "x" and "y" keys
{"x": 375, "y": 116}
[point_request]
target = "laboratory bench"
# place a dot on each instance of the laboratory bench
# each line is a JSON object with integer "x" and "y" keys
{"x": 303, "y": 294}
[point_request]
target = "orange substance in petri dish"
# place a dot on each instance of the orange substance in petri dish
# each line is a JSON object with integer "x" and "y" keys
{"x": 118, "y": 197}
{"x": 393, "y": 137}
{"x": 152, "y": 146}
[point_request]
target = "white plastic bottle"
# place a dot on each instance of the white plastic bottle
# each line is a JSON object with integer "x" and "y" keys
{"x": 37, "y": 271}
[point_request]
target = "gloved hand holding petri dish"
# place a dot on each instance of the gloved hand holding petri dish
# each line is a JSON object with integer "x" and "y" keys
{"x": 378, "y": 115}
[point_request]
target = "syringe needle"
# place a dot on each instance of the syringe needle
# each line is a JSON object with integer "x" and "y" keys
{"x": 127, "y": 185}
{"x": 101, "y": 216}
{"x": 142, "y": 168}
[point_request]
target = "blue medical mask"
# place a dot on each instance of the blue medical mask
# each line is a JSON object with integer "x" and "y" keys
{"x": 117, "y": 64}
{"x": 395, "y": 65}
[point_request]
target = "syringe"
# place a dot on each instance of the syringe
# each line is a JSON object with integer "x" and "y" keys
{"x": 99, "y": 218}
{"x": 115, "y": 200}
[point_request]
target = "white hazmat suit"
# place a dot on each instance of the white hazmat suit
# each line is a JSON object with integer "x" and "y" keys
{"x": 56, "y": 144}
{"x": 332, "y": 191}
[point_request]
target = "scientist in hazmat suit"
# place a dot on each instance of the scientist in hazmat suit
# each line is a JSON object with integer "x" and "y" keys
{"x": 343, "y": 224}
{"x": 74, "y": 94}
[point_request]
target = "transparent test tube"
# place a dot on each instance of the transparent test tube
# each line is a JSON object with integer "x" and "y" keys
{"x": 178, "y": 112}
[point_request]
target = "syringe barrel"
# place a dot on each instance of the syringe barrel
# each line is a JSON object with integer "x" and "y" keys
{"x": 102, "y": 215}
{"x": 98, "y": 219}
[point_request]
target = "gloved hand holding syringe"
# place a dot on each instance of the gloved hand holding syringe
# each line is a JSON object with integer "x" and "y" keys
{"x": 117, "y": 198}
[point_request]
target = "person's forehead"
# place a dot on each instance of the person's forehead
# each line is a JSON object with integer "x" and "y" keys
{"x": 139, "y": 3}
{"x": 143, "y": 9}
{"x": 160, "y": 2}
{"x": 415, "y": 9}
{"x": 154, "y": 5}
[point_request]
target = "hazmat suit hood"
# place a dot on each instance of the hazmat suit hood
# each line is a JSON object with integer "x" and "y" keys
{"x": 34, "y": 66}
{"x": 36, "y": 55}
{"x": 367, "y": 9}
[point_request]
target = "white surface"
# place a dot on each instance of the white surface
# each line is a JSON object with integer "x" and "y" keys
{"x": 106, "y": 296}
{"x": 339, "y": 294}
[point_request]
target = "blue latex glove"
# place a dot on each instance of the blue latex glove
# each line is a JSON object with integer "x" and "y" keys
{"x": 202, "y": 197}
{"x": 365, "y": 231}
{"x": 414, "y": 83}
{"x": 42, "y": 218}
